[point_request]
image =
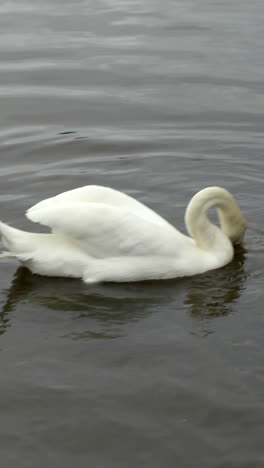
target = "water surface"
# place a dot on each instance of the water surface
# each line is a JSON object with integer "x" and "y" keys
{"x": 158, "y": 99}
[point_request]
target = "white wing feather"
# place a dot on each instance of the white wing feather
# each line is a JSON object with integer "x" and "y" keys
{"x": 105, "y": 231}
{"x": 105, "y": 195}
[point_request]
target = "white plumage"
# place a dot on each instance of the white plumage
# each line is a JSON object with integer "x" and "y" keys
{"x": 99, "y": 234}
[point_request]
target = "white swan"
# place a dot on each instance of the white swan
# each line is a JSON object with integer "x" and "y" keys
{"x": 99, "y": 234}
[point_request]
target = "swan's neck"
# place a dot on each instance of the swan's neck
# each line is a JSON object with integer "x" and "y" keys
{"x": 205, "y": 234}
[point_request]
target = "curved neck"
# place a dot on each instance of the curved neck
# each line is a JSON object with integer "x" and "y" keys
{"x": 205, "y": 234}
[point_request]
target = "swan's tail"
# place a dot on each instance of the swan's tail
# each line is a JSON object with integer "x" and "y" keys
{"x": 16, "y": 242}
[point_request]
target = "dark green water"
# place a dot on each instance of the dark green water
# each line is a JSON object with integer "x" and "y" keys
{"x": 158, "y": 99}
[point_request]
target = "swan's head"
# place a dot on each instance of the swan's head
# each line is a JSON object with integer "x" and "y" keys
{"x": 234, "y": 227}
{"x": 233, "y": 223}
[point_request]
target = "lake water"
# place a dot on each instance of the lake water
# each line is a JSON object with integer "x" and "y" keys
{"x": 157, "y": 99}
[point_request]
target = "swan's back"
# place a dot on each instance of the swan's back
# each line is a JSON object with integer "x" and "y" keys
{"x": 103, "y": 195}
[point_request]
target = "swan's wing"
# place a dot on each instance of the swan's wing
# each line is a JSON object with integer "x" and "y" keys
{"x": 97, "y": 194}
{"x": 107, "y": 231}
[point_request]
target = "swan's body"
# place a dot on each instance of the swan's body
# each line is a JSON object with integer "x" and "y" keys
{"x": 99, "y": 234}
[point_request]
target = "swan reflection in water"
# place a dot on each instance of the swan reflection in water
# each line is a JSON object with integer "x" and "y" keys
{"x": 108, "y": 308}
{"x": 214, "y": 293}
